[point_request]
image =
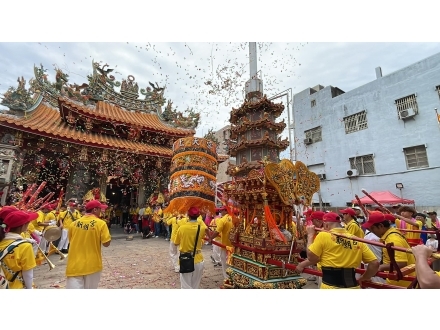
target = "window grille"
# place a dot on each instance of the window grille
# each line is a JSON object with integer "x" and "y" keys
{"x": 406, "y": 103}
{"x": 416, "y": 157}
{"x": 315, "y": 134}
{"x": 356, "y": 122}
{"x": 313, "y": 103}
{"x": 363, "y": 164}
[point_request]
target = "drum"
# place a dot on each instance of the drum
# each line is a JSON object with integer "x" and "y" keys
{"x": 52, "y": 233}
{"x": 193, "y": 175}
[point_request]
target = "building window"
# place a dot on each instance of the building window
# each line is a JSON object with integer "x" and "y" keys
{"x": 405, "y": 104}
{"x": 416, "y": 157}
{"x": 315, "y": 134}
{"x": 356, "y": 122}
{"x": 363, "y": 164}
{"x": 313, "y": 103}
{"x": 437, "y": 88}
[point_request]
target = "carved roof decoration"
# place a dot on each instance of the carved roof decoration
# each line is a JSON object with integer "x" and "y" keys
{"x": 101, "y": 87}
{"x": 249, "y": 106}
{"x": 265, "y": 140}
{"x": 46, "y": 121}
{"x": 263, "y": 122}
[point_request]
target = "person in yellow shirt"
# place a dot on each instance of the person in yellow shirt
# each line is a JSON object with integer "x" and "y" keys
{"x": 216, "y": 250}
{"x": 40, "y": 224}
{"x": 380, "y": 226}
{"x": 427, "y": 278}
{"x": 351, "y": 225}
{"x": 339, "y": 256}
{"x": 157, "y": 217}
{"x": 186, "y": 239}
{"x": 19, "y": 261}
{"x": 173, "y": 223}
{"x": 86, "y": 236}
{"x": 65, "y": 220}
{"x": 317, "y": 221}
{"x": 405, "y": 220}
{"x": 224, "y": 226}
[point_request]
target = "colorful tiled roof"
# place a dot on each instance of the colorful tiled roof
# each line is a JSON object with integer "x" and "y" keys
{"x": 46, "y": 121}
{"x": 109, "y": 112}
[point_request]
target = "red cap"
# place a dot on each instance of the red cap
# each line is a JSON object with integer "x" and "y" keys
{"x": 71, "y": 204}
{"x": 18, "y": 218}
{"x": 308, "y": 212}
{"x": 375, "y": 217}
{"x": 331, "y": 217}
{"x": 348, "y": 211}
{"x": 390, "y": 217}
{"x": 47, "y": 207}
{"x": 317, "y": 215}
{"x": 6, "y": 210}
{"x": 193, "y": 212}
{"x": 94, "y": 204}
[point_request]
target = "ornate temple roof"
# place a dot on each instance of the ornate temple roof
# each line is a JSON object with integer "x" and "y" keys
{"x": 46, "y": 121}
{"x": 110, "y": 112}
{"x": 246, "y": 125}
{"x": 247, "y": 107}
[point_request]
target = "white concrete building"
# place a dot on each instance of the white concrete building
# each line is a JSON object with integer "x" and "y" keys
{"x": 383, "y": 133}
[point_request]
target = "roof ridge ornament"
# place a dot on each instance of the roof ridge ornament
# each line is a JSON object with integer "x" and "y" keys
{"x": 19, "y": 98}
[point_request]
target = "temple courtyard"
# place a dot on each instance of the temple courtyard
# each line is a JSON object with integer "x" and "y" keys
{"x": 134, "y": 264}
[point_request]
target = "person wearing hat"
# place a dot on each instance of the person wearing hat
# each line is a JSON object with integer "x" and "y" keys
{"x": 351, "y": 225}
{"x": 317, "y": 220}
{"x": 224, "y": 226}
{"x": 360, "y": 218}
{"x": 426, "y": 277}
{"x": 65, "y": 220}
{"x": 379, "y": 224}
{"x": 185, "y": 239}
{"x": 405, "y": 219}
{"x": 434, "y": 220}
{"x": 17, "y": 265}
{"x": 339, "y": 256}
{"x": 86, "y": 236}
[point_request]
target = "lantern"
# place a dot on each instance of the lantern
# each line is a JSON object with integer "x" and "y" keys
{"x": 40, "y": 160}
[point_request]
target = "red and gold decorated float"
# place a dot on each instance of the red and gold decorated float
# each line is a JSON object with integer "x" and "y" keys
{"x": 193, "y": 175}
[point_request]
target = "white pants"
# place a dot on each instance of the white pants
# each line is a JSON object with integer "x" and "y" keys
{"x": 83, "y": 282}
{"x": 216, "y": 251}
{"x": 64, "y": 241}
{"x": 192, "y": 280}
{"x": 43, "y": 244}
{"x": 223, "y": 257}
{"x": 174, "y": 254}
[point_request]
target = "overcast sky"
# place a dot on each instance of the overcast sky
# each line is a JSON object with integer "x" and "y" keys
{"x": 210, "y": 76}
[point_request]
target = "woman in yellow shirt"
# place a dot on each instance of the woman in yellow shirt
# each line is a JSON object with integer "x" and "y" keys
{"x": 17, "y": 265}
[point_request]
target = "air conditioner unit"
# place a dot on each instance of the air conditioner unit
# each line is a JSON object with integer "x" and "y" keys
{"x": 308, "y": 141}
{"x": 321, "y": 176}
{"x": 407, "y": 113}
{"x": 352, "y": 173}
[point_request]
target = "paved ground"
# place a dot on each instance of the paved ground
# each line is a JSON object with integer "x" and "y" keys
{"x": 137, "y": 264}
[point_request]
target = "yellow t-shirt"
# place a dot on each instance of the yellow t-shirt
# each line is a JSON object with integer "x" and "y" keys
{"x": 339, "y": 252}
{"x": 148, "y": 211}
{"x": 411, "y": 237}
{"x": 214, "y": 224}
{"x": 86, "y": 236}
{"x": 224, "y": 226}
{"x": 41, "y": 218}
{"x": 50, "y": 216}
{"x": 68, "y": 217}
{"x": 22, "y": 258}
{"x": 392, "y": 235}
{"x": 27, "y": 233}
{"x": 173, "y": 222}
{"x": 186, "y": 236}
{"x": 355, "y": 229}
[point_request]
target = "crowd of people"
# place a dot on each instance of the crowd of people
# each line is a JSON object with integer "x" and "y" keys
{"x": 336, "y": 243}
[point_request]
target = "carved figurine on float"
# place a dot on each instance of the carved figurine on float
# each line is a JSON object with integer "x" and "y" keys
{"x": 94, "y": 194}
{"x": 156, "y": 198}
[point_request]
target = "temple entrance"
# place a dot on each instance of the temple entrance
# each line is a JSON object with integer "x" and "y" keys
{"x": 122, "y": 196}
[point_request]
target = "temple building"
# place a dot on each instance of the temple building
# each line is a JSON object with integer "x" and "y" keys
{"x": 104, "y": 134}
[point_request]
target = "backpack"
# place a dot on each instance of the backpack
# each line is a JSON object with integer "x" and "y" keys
{"x": 4, "y": 283}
